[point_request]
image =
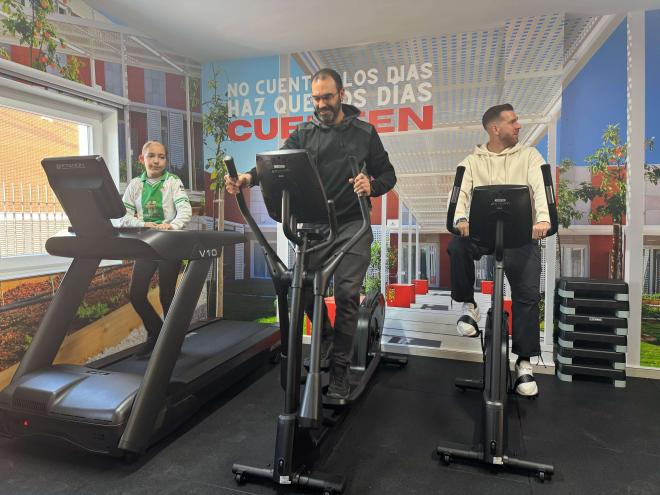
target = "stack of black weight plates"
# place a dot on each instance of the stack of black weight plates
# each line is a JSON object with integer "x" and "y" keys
{"x": 592, "y": 333}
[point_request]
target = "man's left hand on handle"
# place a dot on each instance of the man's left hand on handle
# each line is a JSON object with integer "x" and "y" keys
{"x": 540, "y": 230}
{"x": 361, "y": 185}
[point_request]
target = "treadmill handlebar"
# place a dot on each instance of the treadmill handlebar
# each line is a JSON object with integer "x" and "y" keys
{"x": 144, "y": 244}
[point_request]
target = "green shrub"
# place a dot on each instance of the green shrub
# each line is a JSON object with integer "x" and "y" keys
{"x": 91, "y": 312}
{"x": 371, "y": 283}
{"x": 649, "y": 355}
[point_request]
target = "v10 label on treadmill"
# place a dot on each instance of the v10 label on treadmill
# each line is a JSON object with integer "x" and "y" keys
{"x": 208, "y": 253}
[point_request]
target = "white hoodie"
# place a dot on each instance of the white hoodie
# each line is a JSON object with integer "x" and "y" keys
{"x": 519, "y": 165}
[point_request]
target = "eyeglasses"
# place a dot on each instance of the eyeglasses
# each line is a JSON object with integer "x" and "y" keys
{"x": 326, "y": 98}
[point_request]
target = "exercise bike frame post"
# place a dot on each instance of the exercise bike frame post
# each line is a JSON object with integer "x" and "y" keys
{"x": 301, "y": 427}
{"x": 493, "y": 449}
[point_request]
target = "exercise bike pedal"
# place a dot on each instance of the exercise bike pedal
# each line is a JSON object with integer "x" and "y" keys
{"x": 512, "y": 391}
{"x": 474, "y": 324}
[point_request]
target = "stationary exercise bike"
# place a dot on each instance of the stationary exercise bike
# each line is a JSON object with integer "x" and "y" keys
{"x": 500, "y": 218}
{"x": 294, "y": 195}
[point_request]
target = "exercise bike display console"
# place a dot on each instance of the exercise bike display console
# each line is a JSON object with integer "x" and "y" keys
{"x": 500, "y": 218}
{"x": 294, "y": 194}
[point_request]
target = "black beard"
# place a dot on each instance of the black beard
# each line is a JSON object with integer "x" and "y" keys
{"x": 328, "y": 117}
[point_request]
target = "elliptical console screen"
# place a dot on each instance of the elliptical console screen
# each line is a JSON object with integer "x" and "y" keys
{"x": 293, "y": 171}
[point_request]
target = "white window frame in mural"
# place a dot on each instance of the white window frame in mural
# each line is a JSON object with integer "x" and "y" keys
{"x": 161, "y": 131}
{"x": 585, "y": 259}
{"x": 652, "y": 272}
{"x": 255, "y": 248}
{"x": 100, "y": 119}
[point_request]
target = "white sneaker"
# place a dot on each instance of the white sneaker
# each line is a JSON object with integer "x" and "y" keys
{"x": 468, "y": 324}
{"x": 525, "y": 384}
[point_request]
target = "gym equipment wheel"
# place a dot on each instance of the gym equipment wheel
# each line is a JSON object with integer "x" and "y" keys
{"x": 240, "y": 478}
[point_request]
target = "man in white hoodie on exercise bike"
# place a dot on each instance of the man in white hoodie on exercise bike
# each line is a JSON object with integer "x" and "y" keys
{"x": 502, "y": 160}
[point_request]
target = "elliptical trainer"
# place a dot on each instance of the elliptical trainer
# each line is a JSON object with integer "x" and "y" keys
{"x": 294, "y": 195}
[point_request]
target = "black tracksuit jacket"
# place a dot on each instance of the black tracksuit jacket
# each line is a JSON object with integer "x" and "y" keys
{"x": 329, "y": 148}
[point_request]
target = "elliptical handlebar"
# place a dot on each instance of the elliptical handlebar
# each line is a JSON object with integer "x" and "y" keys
{"x": 364, "y": 208}
{"x": 549, "y": 194}
{"x": 277, "y": 267}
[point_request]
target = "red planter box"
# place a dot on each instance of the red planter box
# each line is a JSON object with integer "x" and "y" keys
{"x": 332, "y": 311}
{"x": 507, "y": 308}
{"x": 400, "y": 295}
{"x": 413, "y": 294}
{"x": 421, "y": 286}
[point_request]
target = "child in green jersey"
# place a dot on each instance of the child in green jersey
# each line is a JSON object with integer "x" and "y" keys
{"x": 156, "y": 199}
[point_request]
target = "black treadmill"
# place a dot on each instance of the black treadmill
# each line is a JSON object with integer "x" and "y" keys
{"x": 121, "y": 404}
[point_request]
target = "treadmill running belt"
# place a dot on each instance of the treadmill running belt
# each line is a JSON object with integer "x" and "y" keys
{"x": 204, "y": 348}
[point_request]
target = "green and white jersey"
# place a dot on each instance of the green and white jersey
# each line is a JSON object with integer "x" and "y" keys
{"x": 159, "y": 201}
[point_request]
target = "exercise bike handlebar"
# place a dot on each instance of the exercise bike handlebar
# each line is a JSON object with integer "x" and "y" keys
{"x": 546, "y": 170}
{"x": 455, "y": 191}
{"x": 549, "y": 194}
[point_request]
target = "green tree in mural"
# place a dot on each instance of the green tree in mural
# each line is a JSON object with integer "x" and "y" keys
{"x": 566, "y": 210}
{"x": 606, "y": 190}
{"x": 215, "y": 126}
{"x": 30, "y": 25}
{"x": 566, "y": 197}
{"x": 372, "y": 282}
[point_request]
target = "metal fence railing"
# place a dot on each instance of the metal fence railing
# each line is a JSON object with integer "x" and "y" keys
{"x": 29, "y": 215}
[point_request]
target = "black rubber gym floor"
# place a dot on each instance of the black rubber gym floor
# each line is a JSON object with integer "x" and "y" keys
{"x": 602, "y": 440}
